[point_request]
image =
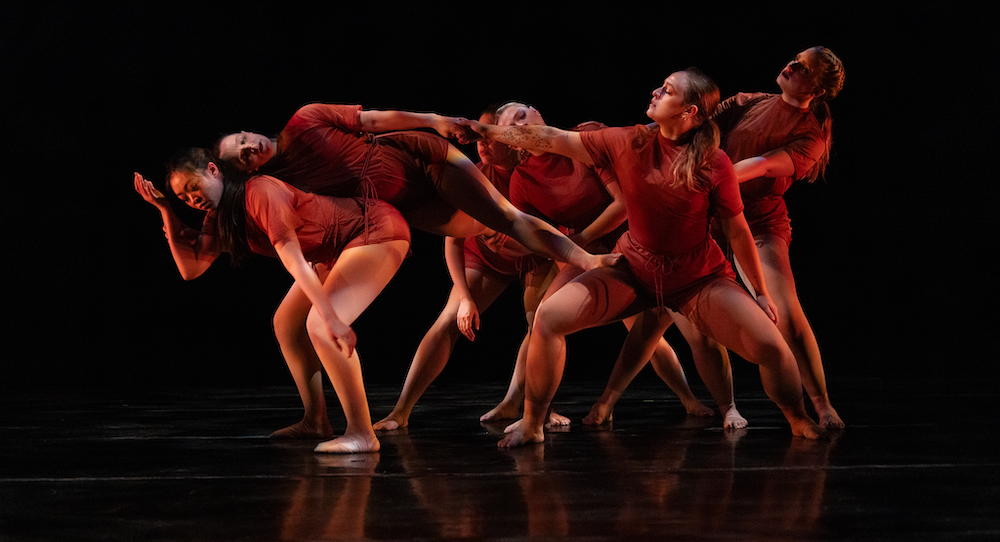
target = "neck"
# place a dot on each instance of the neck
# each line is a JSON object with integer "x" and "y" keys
{"x": 674, "y": 131}
{"x": 801, "y": 102}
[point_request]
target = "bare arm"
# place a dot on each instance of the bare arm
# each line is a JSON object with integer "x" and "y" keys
{"x": 609, "y": 219}
{"x": 774, "y": 163}
{"x": 538, "y": 138}
{"x": 193, "y": 251}
{"x": 290, "y": 253}
{"x": 468, "y": 312}
{"x": 388, "y": 121}
{"x": 740, "y": 239}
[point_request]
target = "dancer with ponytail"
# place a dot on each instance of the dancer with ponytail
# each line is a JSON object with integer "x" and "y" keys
{"x": 340, "y": 255}
{"x": 774, "y": 140}
{"x": 674, "y": 179}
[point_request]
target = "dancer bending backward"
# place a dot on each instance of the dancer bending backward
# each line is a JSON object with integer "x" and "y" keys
{"x": 340, "y": 255}
{"x": 674, "y": 179}
{"x": 586, "y": 203}
{"x": 331, "y": 150}
{"x": 774, "y": 140}
{"x": 480, "y": 271}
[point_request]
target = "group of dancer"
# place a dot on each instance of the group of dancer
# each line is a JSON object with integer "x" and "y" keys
{"x": 598, "y": 224}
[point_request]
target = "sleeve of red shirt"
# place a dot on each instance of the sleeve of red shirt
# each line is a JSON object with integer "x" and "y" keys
{"x": 345, "y": 117}
{"x": 603, "y": 146}
{"x": 271, "y": 206}
{"x": 725, "y": 195}
{"x": 805, "y": 150}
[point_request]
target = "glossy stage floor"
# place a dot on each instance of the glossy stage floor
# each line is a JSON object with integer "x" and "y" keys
{"x": 917, "y": 462}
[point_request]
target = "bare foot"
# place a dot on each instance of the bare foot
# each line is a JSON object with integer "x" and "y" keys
{"x": 806, "y": 428}
{"x": 696, "y": 408}
{"x": 303, "y": 430}
{"x": 599, "y": 414}
{"x": 348, "y": 445}
{"x": 503, "y": 411}
{"x": 518, "y": 436}
{"x": 557, "y": 420}
{"x": 733, "y": 420}
{"x": 829, "y": 419}
{"x": 390, "y": 422}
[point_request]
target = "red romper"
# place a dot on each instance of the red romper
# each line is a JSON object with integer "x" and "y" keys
{"x": 753, "y": 124}
{"x": 668, "y": 247}
{"x": 325, "y": 226}
{"x": 323, "y": 150}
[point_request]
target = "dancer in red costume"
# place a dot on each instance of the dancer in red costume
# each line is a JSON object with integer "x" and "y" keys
{"x": 340, "y": 255}
{"x": 333, "y": 150}
{"x": 480, "y": 271}
{"x": 775, "y": 140}
{"x": 674, "y": 179}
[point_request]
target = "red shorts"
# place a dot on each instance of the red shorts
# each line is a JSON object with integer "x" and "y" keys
{"x": 674, "y": 279}
{"x": 381, "y": 224}
{"x": 480, "y": 257}
{"x": 408, "y": 168}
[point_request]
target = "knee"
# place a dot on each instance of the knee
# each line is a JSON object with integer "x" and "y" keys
{"x": 286, "y": 326}
{"x": 316, "y": 327}
{"x": 548, "y": 321}
{"x": 769, "y": 352}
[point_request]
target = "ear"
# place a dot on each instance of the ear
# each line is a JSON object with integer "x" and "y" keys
{"x": 818, "y": 92}
{"x": 692, "y": 110}
{"x": 213, "y": 170}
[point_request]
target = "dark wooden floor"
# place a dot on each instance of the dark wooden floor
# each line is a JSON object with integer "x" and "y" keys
{"x": 918, "y": 462}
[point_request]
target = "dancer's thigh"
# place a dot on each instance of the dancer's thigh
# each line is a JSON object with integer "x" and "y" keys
{"x": 597, "y": 297}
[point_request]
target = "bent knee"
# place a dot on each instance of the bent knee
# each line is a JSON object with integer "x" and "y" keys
{"x": 772, "y": 351}
{"x": 316, "y": 327}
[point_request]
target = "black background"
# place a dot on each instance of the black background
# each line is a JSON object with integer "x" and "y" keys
{"x": 894, "y": 254}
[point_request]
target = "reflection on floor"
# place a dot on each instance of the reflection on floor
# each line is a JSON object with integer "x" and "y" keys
{"x": 917, "y": 462}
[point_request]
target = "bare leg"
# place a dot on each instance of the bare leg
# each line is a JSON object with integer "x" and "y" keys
{"x": 536, "y": 284}
{"x": 645, "y": 332}
{"x": 724, "y": 311}
{"x": 304, "y": 364}
{"x": 795, "y": 327}
{"x": 713, "y": 364}
{"x": 597, "y": 297}
{"x": 357, "y": 277}
{"x": 435, "y": 348}
{"x": 442, "y": 218}
{"x": 464, "y": 186}
{"x": 544, "y": 282}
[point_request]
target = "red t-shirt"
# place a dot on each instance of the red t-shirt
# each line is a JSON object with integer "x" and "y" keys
{"x": 755, "y": 123}
{"x": 563, "y": 191}
{"x": 323, "y": 150}
{"x": 664, "y": 219}
{"x": 324, "y": 225}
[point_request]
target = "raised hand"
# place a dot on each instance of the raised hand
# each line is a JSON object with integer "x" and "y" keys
{"x": 148, "y": 192}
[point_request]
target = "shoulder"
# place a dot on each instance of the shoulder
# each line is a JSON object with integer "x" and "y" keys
{"x": 340, "y": 113}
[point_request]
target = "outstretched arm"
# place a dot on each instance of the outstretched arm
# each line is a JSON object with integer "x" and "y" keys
{"x": 193, "y": 251}
{"x": 774, "y": 163}
{"x": 740, "y": 239}
{"x": 290, "y": 253}
{"x": 537, "y": 138}
{"x": 388, "y": 121}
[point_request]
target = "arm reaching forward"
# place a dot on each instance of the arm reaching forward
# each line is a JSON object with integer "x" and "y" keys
{"x": 538, "y": 138}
